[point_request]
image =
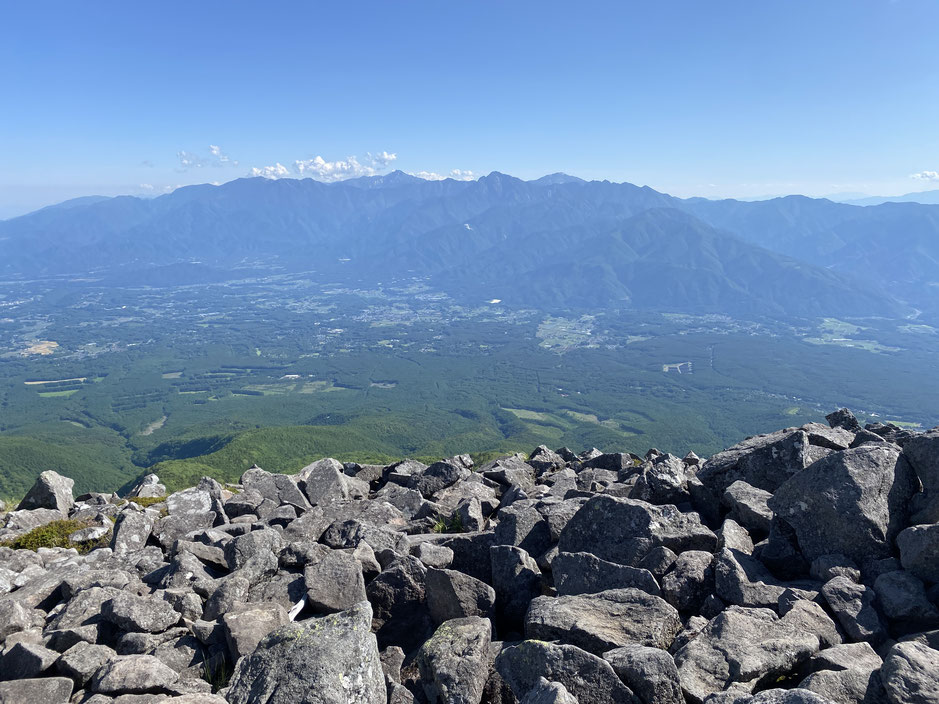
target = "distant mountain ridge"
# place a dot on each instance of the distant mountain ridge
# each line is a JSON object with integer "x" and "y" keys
{"x": 558, "y": 241}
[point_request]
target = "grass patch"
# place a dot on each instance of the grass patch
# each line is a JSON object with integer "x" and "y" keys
{"x": 57, "y": 394}
{"x": 145, "y": 501}
{"x": 56, "y": 535}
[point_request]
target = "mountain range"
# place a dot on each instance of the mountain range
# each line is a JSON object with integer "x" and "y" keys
{"x": 554, "y": 242}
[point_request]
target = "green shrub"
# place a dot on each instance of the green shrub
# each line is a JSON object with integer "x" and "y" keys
{"x": 56, "y": 535}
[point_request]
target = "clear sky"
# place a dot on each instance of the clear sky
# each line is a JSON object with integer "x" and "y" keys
{"x": 692, "y": 97}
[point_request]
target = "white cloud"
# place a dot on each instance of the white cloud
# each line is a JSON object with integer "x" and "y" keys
{"x": 276, "y": 171}
{"x": 146, "y": 186}
{"x": 926, "y": 176}
{"x": 455, "y": 174}
{"x": 351, "y": 167}
{"x": 216, "y": 159}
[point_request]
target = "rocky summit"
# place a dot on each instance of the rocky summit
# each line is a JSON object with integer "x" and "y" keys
{"x": 800, "y": 567}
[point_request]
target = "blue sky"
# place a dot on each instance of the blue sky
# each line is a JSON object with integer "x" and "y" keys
{"x": 736, "y": 98}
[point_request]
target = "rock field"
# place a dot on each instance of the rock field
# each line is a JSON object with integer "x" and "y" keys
{"x": 798, "y": 567}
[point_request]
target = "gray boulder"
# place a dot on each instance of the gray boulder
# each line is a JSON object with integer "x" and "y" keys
{"x": 83, "y": 660}
{"x": 454, "y": 595}
{"x": 545, "y": 692}
{"x": 649, "y": 672}
{"x": 690, "y": 580}
{"x": 762, "y": 461}
{"x": 902, "y": 597}
{"x": 919, "y": 551}
{"x": 398, "y": 597}
{"x": 604, "y": 621}
{"x": 741, "y": 647}
{"x": 131, "y": 531}
{"x": 133, "y": 674}
{"x": 922, "y": 451}
{"x": 328, "y": 660}
{"x": 911, "y": 674}
{"x": 323, "y": 482}
{"x": 587, "y": 677}
{"x": 45, "y": 690}
{"x": 334, "y": 580}
{"x": 748, "y": 506}
{"x": 147, "y": 487}
{"x": 516, "y": 580}
{"x": 248, "y": 624}
{"x": 743, "y": 580}
{"x": 625, "y": 530}
{"x": 853, "y": 606}
{"x": 853, "y": 502}
{"x": 24, "y": 660}
{"x": 583, "y": 573}
{"x": 52, "y": 491}
{"x": 454, "y": 662}
{"x": 846, "y": 674}
{"x": 140, "y": 614}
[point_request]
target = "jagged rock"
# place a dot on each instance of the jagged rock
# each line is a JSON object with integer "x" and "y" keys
{"x": 661, "y": 481}
{"x": 603, "y": 621}
{"x": 843, "y": 418}
{"x": 544, "y": 459}
{"x": 762, "y": 461}
{"x": 24, "y": 660}
{"x": 454, "y": 661}
{"x": 131, "y": 531}
{"x": 853, "y": 605}
{"x": 516, "y": 580}
{"x": 439, "y": 476}
{"x": 241, "y": 549}
{"x": 471, "y": 554}
{"x": 523, "y": 527}
{"x": 82, "y": 660}
{"x": 45, "y": 690}
{"x": 919, "y": 551}
{"x": 148, "y": 487}
{"x": 334, "y": 581}
{"x": 649, "y": 672}
{"x": 809, "y": 617}
{"x": 133, "y": 674}
{"x": 51, "y": 491}
{"x": 189, "y": 510}
{"x": 323, "y": 482}
{"x": 852, "y": 502}
{"x": 922, "y": 452}
{"x": 587, "y": 677}
{"x": 742, "y": 580}
{"x": 741, "y": 647}
{"x": 748, "y": 506}
{"x": 625, "y": 530}
{"x": 15, "y": 617}
{"x": 582, "y": 573}
{"x": 329, "y": 660}
{"x": 846, "y": 674}
{"x": 689, "y": 581}
{"x": 902, "y": 597}
{"x": 454, "y": 595}
{"x": 511, "y": 471}
{"x": 140, "y": 614}
{"x": 248, "y": 624}
{"x": 545, "y": 692}
{"x": 559, "y": 514}
{"x": 433, "y": 555}
{"x": 279, "y": 489}
{"x": 397, "y": 595}
{"x": 909, "y": 674}
{"x": 658, "y": 561}
{"x": 827, "y": 567}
